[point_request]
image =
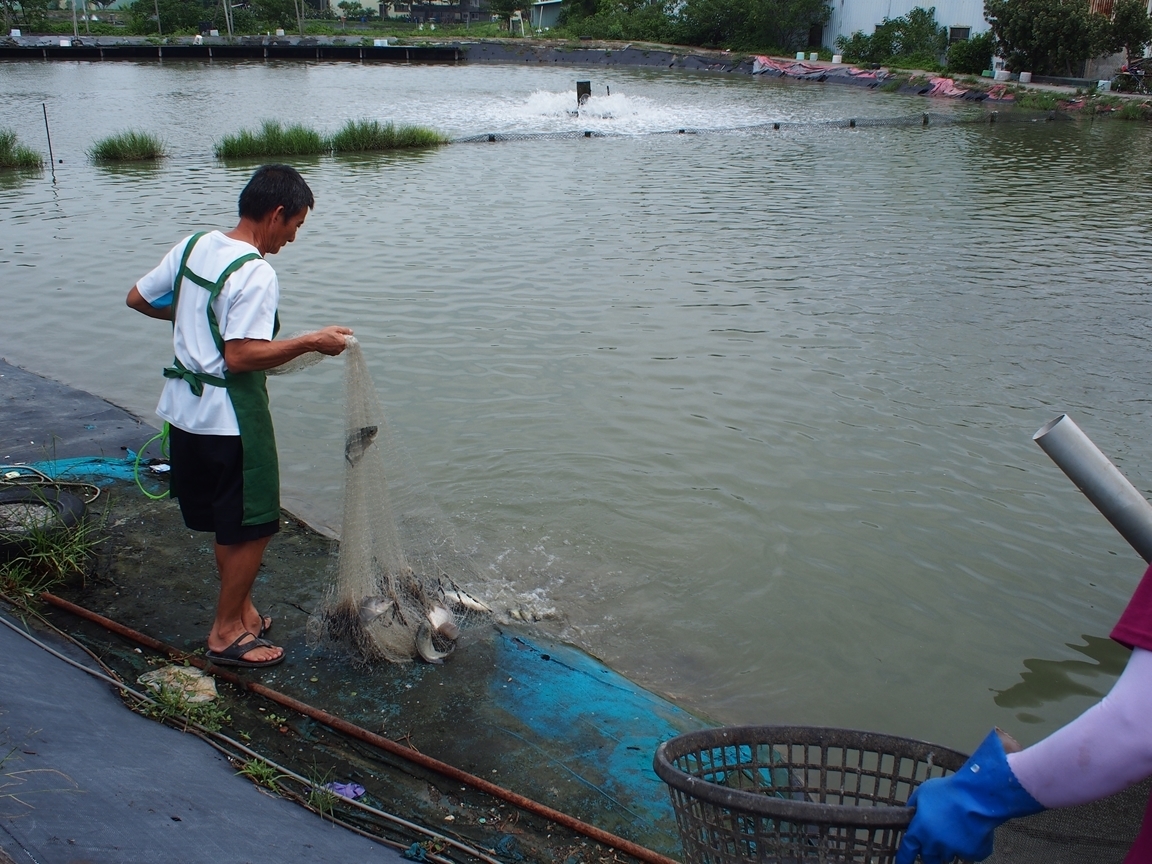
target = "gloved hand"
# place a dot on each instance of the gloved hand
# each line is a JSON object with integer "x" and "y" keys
{"x": 956, "y": 816}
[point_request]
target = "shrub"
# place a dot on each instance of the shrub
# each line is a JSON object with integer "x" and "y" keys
{"x": 972, "y": 56}
{"x": 127, "y": 147}
{"x": 272, "y": 140}
{"x": 13, "y": 154}
{"x": 363, "y": 135}
{"x": 913, "y": 40}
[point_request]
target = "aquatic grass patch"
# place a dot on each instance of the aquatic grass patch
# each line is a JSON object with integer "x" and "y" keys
{"x": 13, "y": 154}
{"x": 272, "y": 139}
{"x": 131, "y": 146}
{"x": 368, "y": 135}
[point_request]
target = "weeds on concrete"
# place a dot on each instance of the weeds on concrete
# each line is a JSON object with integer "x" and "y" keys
{"x": 320, "y": 798}
{"x": 262, "y": 774}
{"x": 170, "y": 705}
{"x": 372, "y": 135}
{"x": 49, "y": 553}
{"x": 129, "y": 146}
{"x": 13, "y": 154}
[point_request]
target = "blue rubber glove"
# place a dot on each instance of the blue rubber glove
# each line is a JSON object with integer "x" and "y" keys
{"x": 956, "y": 816}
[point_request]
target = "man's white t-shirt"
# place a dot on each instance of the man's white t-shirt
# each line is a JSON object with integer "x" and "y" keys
{"x": 245, "y": 309}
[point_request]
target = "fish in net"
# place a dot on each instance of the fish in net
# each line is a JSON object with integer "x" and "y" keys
{"x": 397, "y": 593}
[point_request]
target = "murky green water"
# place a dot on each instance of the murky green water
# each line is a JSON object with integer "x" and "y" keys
{"x": 752, "y": 412}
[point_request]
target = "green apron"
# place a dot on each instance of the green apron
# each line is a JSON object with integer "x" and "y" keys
{"x": 248, "y": 392}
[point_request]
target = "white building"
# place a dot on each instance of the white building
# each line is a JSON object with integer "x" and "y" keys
{"x": 963, "y": 18}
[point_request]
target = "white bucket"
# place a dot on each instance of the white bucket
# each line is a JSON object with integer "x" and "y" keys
{"x": 15, "y": 34}
{"x": 799, "y": 55}
{"x": 837, "y": 58}
{"x": 815, "y": 55}
{"x": 1025, "y": 77}
{"x": 1003, "y": 75}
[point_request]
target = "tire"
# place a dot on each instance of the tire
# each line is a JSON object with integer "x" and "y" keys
{"x": 67, "y": 511}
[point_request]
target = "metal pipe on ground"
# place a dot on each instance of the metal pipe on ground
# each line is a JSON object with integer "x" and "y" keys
{"x": 1101, "y": 481}
{"x": 333, "y": 722}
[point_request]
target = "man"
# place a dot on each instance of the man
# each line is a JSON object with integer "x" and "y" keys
{"x": 221, "y": 297}
{"x": 1104, "y": 750}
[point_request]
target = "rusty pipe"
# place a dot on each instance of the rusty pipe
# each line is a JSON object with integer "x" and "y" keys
{"x": 333, "y": 722}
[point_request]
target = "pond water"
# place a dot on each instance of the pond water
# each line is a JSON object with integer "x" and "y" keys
{"x": 751, "y": 411}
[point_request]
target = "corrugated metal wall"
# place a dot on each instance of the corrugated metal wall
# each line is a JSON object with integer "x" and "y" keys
{"x": 848, "y": 16}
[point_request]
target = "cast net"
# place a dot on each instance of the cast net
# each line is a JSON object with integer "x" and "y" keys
{"x": 399, "y": 588}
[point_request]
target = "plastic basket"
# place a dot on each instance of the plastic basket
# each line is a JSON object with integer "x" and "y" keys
{"x": 792, "y": 794}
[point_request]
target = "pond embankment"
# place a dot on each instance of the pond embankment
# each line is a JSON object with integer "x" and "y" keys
{"x": 535, "y": 717}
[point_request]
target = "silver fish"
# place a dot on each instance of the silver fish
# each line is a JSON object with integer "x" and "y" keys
{"x": 425, "y": 648}
{"x": 372, "y": 608}
{"x": 358, "y": 442}
{"x": 459, "y": 598}
{"x": 443, "y": 622}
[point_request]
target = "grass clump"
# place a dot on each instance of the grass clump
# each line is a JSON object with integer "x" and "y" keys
{"x": 262, "y": 774}
{"x": 272, "y": 140}
{"x": 1038, "y": 100}
{"x": 127, "y": 147}
{"x": 46, "y": 552}
{"x": 1133, "y": 111}
{"x": 365, "y": 135}
{"x": 13, "y": 154}
{"x": 170, "y": 705}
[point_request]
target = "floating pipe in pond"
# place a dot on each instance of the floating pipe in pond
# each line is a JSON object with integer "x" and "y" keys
{"x": 1100, "y": 480}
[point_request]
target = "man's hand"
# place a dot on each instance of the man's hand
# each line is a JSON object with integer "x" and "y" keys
{"x": 254, "y": 355}
{"x": 330, "y": 340}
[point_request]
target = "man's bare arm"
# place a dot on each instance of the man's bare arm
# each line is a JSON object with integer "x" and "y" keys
{"x": 251, "y": 355}
{"x": 137, "y": 302}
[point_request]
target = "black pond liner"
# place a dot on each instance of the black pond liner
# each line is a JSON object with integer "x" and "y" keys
{"x": 795, "y": 793}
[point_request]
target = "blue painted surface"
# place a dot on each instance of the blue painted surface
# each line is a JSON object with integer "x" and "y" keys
{"x": 572, "y": 711}
{"x": 101, "y": 470}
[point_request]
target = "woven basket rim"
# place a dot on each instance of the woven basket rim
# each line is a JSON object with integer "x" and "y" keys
{"x": 846, "y": 815}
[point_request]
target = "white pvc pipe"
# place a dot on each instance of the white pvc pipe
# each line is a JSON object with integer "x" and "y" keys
{"x": 1100, "y": 480}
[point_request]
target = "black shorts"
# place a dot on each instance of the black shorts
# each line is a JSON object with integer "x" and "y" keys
{"x": 207, "y": 478}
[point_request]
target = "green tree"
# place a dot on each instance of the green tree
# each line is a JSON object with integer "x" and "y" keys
{"x": 780, "y": 24}
{"x": 972, "y": 56}
{"x": 176, "y": 16}
{"x": 30, "y": 15}
{"x": 1131, "y": 29}
{"x": 1047, "y": 37}
{"x": 912, "y": 39}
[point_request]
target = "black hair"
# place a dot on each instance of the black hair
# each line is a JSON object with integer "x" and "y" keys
{"x": 275, "y": 186}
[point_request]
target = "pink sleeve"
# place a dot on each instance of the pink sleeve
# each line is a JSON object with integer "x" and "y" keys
{"x": 1134, "y": 629}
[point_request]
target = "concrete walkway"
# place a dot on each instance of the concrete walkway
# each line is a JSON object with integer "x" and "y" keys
{"x": 84, "y": 779}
